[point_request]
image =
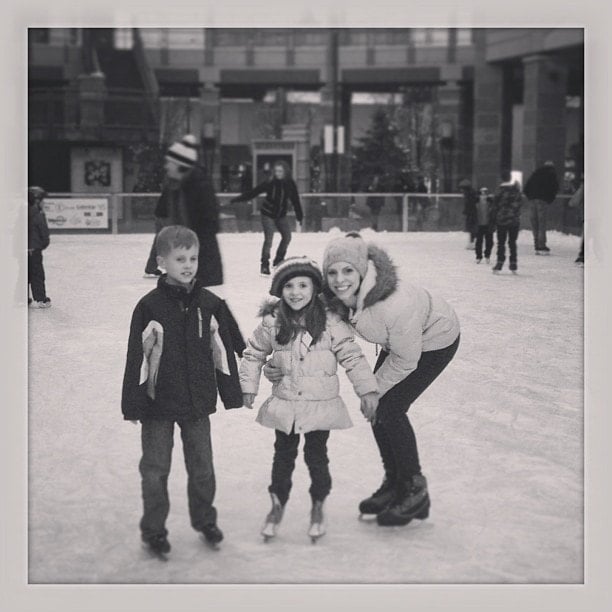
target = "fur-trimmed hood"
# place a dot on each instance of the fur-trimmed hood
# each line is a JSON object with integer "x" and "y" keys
{"x": 379, "y": 283}
{"x": 269, "y": 306}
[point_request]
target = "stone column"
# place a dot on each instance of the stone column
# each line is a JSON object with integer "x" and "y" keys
{"x": 488, "y": 116}
{"x": 92, "y": 93}
{"x": 449, "y": 114}
{"x": 211, "y": 131}
{"x": 545, "y": 90}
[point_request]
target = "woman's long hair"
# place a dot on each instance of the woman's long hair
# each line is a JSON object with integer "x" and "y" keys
{"x": 311, "y": 318}
{"x": 285, "y": 166}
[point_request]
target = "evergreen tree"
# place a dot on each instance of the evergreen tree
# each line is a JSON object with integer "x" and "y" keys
{"x": 378, "y": 154}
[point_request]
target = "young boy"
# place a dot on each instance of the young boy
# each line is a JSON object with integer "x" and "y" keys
{"x": 180, "y": 350}
{"x": 38, "y": 241}
{"x": 507, "y": 217}
{"x": 484, "y": 227}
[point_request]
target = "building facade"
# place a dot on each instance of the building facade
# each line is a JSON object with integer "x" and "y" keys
{"x": 103, "y": 103}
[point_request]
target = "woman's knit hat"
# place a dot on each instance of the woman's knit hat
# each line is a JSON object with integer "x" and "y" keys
{"x": 351, "y": 248}
{"x": 295, "y": 266}
{"x": 184, "y": 152}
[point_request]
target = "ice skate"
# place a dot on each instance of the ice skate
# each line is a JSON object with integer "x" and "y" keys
{"x": 379, "y": 500}
{"x": 273, "y": 519}
{"x": 317, "y": 522}
{"x": 212, "y": 536}
{"x": 479, "y": 260}
{"x": 513, "y": 268}
{"x": 487, "y": 260}
{"x": 264, "y": 270}
{"x": 46, "y": 303}
{"x": 497, "y": 268}
{"x": 157, "y": 546}
{"x": 412, "y": 502}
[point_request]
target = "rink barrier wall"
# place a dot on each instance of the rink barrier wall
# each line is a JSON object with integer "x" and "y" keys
{"x": 397, "y": 212}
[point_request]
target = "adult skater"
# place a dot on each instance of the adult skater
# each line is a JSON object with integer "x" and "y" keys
{"x": 306, "y": 343}
{"x": 470, "y": 198}
{"x": 541, "y": 189}
{"x": 279, "y": 190}
{"x": 188, "y": 199}
{"x": 38, "y": 241}
{"x": 419, "y": 335}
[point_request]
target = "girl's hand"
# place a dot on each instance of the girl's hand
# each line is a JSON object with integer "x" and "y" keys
{"x": 272, "y": 373}
{"x": 369, "y": 404}
{"x": 248, "y": 399}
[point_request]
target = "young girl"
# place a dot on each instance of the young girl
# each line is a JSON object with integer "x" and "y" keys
{"x": 306, "y": 344}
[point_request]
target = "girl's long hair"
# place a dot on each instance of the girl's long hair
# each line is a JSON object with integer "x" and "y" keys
{"x": 312, "y": 318}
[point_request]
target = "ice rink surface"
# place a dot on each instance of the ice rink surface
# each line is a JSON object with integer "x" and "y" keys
{"x": 500, "y": 432}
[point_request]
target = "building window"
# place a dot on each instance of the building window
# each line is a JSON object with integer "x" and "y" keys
{"x": 232, "y": 37}
{"x": 464, "y": 37}
{"x": 186, "y": 38}
{"x": 314, "y": 37}
{"x": 123, "y": 38}
{"x": 430, "y": 37}
{"x": 39, "y": 35}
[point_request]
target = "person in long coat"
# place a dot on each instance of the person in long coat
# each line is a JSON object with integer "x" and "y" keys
{"x": 188, "y": 198}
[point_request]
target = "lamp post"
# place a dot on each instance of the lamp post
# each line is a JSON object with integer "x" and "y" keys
{"x": 447, "y": 143}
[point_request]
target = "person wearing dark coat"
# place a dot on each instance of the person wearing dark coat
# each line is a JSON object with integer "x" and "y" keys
{"x": 541, "y": 189}
{"x": 470, "y": 198}
{"x": 38, "y": 241}
{"x": 188, "y": 198}
{"x": 181, "y": 353}
{"x": 279, "y": 191}
{"x": 507, "y": 204}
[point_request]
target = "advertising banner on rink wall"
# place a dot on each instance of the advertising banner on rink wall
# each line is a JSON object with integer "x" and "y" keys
{"x": 76, "y": 213}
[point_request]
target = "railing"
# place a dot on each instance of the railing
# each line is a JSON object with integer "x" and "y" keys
{"x": 399, "y": 212}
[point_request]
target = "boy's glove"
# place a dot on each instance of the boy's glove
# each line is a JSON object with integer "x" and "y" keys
{"x": 248, "y": 399}
{"x": 369, "y": 404}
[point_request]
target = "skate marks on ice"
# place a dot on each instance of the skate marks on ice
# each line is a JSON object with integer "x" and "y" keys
{"x": 500, "y": 433}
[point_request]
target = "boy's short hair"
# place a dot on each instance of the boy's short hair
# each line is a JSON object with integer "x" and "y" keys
{"x": 175, "y": 237}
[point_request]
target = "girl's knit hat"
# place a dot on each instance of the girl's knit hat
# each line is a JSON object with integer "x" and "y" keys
{"x": 295, "y": 266}
{"x": 351, "y": 248}
{"x": 184, "y": 152}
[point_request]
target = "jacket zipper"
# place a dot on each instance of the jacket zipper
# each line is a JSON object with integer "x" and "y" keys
{"x": 199, "y": 322}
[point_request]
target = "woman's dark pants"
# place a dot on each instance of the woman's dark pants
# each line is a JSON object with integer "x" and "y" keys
{"x": 392, "y": 430}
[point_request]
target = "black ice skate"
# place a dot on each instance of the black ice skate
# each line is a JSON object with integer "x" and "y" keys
{"x": 273, "y": 519}
{"x": 212, "y": 536}
{"x": 264, "y": 270}
{"x": 158, "y": 546}
{"x": 412, "y": 502}
{"x": 497, "y": 268}
{"x": 317, "y": 522}
{"x": 513, "y": 268}
{"x": 379, "y": 500}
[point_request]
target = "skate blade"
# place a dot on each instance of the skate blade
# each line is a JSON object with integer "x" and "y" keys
{"x": 367, "y": 518}
{"x": 160, "y": 556}
{"x": 212, "y": 545}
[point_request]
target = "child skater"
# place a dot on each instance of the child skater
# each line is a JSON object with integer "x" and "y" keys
{"x": 507, "y": 204}
{"x": 306, "y": 343}
{"x": 484, "y": 229}
{"x": 180, "y": 351}
{"x": 38, "y": 241}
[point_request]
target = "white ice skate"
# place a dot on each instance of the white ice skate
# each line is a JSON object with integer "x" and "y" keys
{"x": 273, "y": 519}
{"x": 317, "y": 522}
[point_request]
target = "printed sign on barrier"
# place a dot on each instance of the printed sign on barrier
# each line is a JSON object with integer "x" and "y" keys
{"x": 76, "y": 213}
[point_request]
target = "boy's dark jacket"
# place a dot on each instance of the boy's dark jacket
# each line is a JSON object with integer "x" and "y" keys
{"x": 187, "y": 382}
{"x": 38, "y": 230}
{"x": 507, "y": 204}
{"x": 278, "y": 193}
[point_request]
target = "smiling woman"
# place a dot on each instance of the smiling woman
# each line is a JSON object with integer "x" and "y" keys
{"x": 419, "y": 335}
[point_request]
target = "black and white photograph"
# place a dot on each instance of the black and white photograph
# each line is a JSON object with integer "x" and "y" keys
{"x": 305, "y": 304}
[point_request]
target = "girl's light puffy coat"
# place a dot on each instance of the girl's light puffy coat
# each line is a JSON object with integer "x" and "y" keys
{"x": 307, "y": 396}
